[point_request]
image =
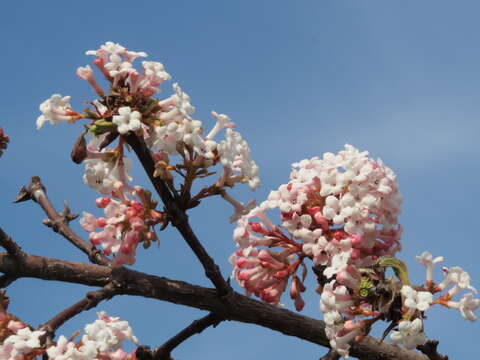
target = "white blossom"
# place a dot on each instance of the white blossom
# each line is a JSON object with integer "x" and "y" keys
{"x": 467, "y": 306}
{"x": 427, "y": 260}
{"x": 67, "y": 350}
{"x": 416, "y": 299}
{"x": 457, "y": 276}
{"x": 57, "y": 109}
{"x": 235, "y": 155}
{"x": 409, "y": 334}
{"x": 127, "y": 120}
{"x": 109, "y": 332}
{"x": 24, "y": 340}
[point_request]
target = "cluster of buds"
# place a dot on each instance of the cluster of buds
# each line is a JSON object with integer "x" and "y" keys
{"x": 103, "y": 339}
{"x": 125, "y": 225}
{"x": 165, "y": 126}
{"x": 341, "y": 213}
{"x": 4, "y": 140}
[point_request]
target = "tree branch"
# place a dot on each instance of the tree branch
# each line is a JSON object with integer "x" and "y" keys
{"x": 430, "y": 349}
{"x": 179, "y": 217}
{"x": 91, "y": 300}
{"x": 163, "y": 352}
{"x": 11, "y": 246}
{"x": 231, "y": 307}
{"x": 59, "y": 222}
{"x": 330, "y": 355}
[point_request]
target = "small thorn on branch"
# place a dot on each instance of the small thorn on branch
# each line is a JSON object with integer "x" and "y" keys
{"x": 430, "y": 349}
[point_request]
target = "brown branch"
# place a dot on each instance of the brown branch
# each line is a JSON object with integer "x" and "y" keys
{"x": 177, "y": 216}
{"x": 59, "y": 222}
{"x": 233, "y": 306}
{"x": 430, "y": 349}
{"x": 91, "y": 300}
{"x": 163, "y": 352}
{"x": 11, "y": 246}
{"x": 331, "y": 355}
{"x": 5, "y": 281}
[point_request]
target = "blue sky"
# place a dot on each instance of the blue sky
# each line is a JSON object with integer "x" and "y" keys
{"x": 397, "y": 78}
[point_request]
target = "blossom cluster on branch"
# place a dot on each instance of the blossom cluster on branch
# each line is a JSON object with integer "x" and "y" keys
{"x": 103, "y": 339}
{"x": 337, "y": 215}
{"x": 176, "y": 140}
{"x": 341, "y": 212}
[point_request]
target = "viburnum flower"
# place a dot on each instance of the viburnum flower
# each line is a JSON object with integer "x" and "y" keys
{"x": 57, "y": 109}
{"x": 68, "y": 350}
{"x": 109, "y": 332}
{"x": 23, "y": 341}
{"x": 127, "y": 120}
{"x": 416, "y": 299}
{"x": 410, "y": 334}
{"x": 427, "y": 260}
{"x": 457, "y": 276}
{"x": 467, "y": 306}
{"x": 235, "y": 157}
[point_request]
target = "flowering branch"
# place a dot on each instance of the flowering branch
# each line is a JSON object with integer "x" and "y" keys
{"x": 177, "y": 216}
{"x": 59, "y": 222}
{"x": 90, "y": 301}
{"x": 232, "y": 307}
{"x": 163, "y": 352}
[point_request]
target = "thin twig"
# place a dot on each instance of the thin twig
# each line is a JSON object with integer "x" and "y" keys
{"x": 177, "y": 216}
{"x": 234, "y": 307}
{"x": 430, "y": 349}
{"x": 90, "y": 301}
{"x": 59, "y": 222}
{"x": 11, "y": 246}
{"x": 163, "y": 352}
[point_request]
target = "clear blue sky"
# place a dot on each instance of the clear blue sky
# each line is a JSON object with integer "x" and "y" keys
{"x": 398, "y": 78}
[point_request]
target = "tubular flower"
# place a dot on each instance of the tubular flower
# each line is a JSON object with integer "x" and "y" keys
{"x": 57, "y": 109}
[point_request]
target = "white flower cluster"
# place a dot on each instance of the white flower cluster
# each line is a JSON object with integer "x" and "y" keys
{"x": 410, "y": 330}
{"x": 165, "y": 124}
{"x": 103, "y": 339}
{"x": 23, "y": 342}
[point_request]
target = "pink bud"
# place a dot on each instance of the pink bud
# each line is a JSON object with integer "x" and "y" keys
{"x": 102, "y": 202}
{"x": 322, "y": 221}
{"x": 281, "y": 274}
{"x": 339, "y": 235}
{"x": 355, "y": 254}
{"x": 356, "y": 240}
{"x": 101, "y": 222}
{"x": 256, "y": 227}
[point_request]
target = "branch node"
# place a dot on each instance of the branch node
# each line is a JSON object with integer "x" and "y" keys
{"x": 430, "y": 349}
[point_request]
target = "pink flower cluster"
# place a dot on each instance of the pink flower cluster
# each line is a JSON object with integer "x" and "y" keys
{"x": 125, "y": 225}
{"x": 339, "y": 211}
